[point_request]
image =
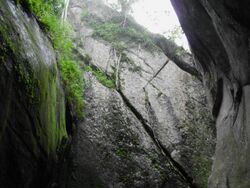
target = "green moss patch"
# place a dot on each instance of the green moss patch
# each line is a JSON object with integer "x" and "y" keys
{"x": 101, "y": 77}
{"x": 60, "y": 35}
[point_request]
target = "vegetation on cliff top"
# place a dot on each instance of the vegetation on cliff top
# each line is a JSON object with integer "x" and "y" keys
{"x": 116, "y": 33}
{"x": 59, "y": 32}
{"x": 113, "y": 32}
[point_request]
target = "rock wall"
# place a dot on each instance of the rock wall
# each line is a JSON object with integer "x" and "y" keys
{"x": 169, "y": 110}
{"x": 144, "y": 130}
{"x": 112, "y": 149}
{"x": 33, "y": 132}
{"x": 218, "y": 33}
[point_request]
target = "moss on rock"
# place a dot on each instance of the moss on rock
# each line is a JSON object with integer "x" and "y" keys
{"x": 32, "y": 104}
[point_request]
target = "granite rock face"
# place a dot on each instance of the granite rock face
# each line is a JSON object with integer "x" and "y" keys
{"x": 32, "y": 104}
{"x": 171, "y": 105}
{"x": 112, "y": 149}
{"x": 218, "y": 33}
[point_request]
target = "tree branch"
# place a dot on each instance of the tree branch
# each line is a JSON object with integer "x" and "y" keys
{"x": 175, "y": 54}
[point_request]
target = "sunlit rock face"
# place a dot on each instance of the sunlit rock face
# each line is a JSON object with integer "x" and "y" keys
{"x": 218, "y": 33}
{"x": 172, "y": 104}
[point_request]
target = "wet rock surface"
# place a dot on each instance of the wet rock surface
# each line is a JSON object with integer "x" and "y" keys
{"x": 32, "y": 107}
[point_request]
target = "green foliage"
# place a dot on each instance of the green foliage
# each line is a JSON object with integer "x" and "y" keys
{"x": 122, "y": 37}
{"x": 40, "y": 7}
{"x": 108, "y": 31}
{"x": 119, "y": 46}
{"x": 121, "y": 152}
{"x": 73, "y": 80}
{"x": 30, "y": 83}
{"x": 202, "y": 170}
{"x": 58, "y": 32}
{"x": 101, "y": 77}
{"x": 174, "y": 33}
{"x": 60, "y": 35}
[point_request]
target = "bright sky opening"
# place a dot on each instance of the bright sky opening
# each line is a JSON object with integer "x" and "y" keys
{"x": 158, "y": 16}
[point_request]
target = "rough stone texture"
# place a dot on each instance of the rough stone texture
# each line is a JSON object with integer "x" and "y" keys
{"x": 218, "y": 33}
{"x": 173, "y": 103}
{"x": 112, "y": 149}
{"x": 32, "y": 108}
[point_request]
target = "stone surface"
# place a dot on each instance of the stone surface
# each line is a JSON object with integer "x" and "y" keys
{"x": 143, "y": 135}
{"x": 112, "y": 149}
{"x": 218, "y": 33}
{"x": 32, "y": 107}
{"x": 173, "y": 104}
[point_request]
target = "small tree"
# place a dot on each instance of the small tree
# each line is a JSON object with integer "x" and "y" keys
{"x": 174, "y": 33}
{"x": 126, "y": 6}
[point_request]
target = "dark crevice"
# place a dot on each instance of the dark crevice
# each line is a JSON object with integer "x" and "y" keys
{"x": 179, "y": 169}
{"x": 237, "y": 101}
{"x": 218, "y": 98}
{"x": 69, "y": 120}
{"x": 152, "y": 115}
{"x": 238, "y": 95}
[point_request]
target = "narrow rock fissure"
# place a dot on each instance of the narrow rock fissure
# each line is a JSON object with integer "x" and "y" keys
{"x": 158, "y": 72}
{"x": 218, "y": 98}
{"x": 151, "y": 113}
{"x": 178, "y": 168}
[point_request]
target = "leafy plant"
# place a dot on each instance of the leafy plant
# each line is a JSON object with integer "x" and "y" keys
{"x": 59, "y": 32}
{"x": 174, "y": 34}
{"x": 101, "y": 77}
{"x": 119, "y": 46}
{"x": 73, "y": 81}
